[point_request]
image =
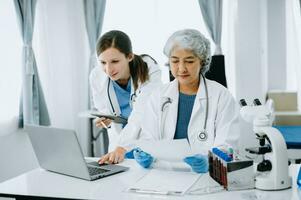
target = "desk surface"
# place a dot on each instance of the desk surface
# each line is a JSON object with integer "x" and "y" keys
{"x": 42, "y": 183}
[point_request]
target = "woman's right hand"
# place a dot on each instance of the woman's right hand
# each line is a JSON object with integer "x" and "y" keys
{"x": 103, "y": 122}
{"x": 113, "y": 157}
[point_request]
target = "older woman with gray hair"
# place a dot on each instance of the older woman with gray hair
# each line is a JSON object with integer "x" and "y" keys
{"x": 190, "y": 107}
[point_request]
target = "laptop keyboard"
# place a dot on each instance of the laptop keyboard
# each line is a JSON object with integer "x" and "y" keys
{"x": 94, "y": 171}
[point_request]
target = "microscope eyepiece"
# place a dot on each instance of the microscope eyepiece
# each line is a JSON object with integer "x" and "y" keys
{"x": 242, "y": 102}
{"x": 256, "y": 102}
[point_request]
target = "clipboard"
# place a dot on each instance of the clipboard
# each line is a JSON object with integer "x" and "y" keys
{"x": 115, "y": 119}
{"x": 164, "y": 182}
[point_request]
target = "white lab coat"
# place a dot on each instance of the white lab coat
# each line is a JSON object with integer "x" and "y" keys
{"x": 222, "y": 123}
{"x": 99, "y": 82}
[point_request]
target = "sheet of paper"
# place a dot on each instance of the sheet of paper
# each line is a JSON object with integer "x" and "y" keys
{"x": 205, "y": 185}
{"x": 164, "y": 182}
{"x": 170, "y": 150}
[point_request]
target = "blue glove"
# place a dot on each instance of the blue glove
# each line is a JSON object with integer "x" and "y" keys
{"x": 198, "y": 163}
{"x": 130, "y": 154}
{"x": 144, "y": 159}
{"x": 299, "y": 178}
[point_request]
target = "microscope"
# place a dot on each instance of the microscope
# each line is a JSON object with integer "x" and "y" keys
{"x": 272, "y": 171}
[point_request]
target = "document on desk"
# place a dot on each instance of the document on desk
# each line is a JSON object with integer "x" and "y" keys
{"x": 205, "y": 185}
{"x": 164, "y": 182}
{"x": 168, "y": 150}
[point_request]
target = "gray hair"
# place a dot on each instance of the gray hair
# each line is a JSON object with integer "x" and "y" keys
{"x": 193, "y": 40}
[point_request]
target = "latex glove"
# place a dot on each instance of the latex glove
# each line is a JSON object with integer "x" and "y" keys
{"x": 144, "y": 159}
{"x": 299, "y": 178}
{"x": 198, "y": 163}
{"x": 130, "y": 154}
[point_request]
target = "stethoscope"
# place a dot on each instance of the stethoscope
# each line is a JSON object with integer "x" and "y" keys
{"x": 132, "y": 98}
{"x": 203, "y": 135}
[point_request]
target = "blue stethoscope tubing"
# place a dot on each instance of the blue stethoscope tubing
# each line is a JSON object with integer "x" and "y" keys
{"x": 202, "y": 136}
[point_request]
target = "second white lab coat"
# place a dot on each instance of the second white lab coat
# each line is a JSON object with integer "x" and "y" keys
{"x": 222, "y": 123}
{"x": 99, "y": 82}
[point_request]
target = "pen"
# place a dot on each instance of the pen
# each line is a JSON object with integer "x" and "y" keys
{"x": 155, "y": 191}
{"x": 149, "y": 191}
{"x": 103, "y": 124}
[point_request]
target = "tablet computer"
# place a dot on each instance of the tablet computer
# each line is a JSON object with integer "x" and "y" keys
{"x": 116, "y": 119}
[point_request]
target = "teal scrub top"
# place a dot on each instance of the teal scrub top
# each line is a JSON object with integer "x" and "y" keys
{"x": 123, "y": 97}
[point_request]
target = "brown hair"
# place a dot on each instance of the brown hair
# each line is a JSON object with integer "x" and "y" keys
{"x": 121, "y": 41}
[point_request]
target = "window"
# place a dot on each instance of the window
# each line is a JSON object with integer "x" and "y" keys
{"x": 10, "y": 62}
{"x": 150, "y": 22}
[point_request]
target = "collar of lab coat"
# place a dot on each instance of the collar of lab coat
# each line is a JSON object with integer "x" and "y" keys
{"x": 114, "y": 97}
{"x": 173, "y": 91}
{"x": 132, "y": 87}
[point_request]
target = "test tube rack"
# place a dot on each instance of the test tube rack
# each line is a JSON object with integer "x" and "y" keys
{"x": 232, "y": 173}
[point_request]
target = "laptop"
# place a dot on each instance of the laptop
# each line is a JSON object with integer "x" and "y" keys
{"x": 58, "y": 150}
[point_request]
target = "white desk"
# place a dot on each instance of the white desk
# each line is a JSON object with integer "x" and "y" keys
{"x": 39, "y": 182}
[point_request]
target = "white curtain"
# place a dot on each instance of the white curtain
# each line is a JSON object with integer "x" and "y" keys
{"x": 33, "y": 109}
{"x": 228, "y": 42}
{"x": 150, "y": 22}
{"x": 62, "y": 54}
{"x": 94, "y": 14}
{"x": 212, "y": 15}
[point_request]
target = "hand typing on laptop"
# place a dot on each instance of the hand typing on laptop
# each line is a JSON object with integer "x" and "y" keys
{"x": 113, "y": 157}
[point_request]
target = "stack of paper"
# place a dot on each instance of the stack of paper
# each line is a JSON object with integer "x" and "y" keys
{"x": 168, "y": 150}
{"x": 205, "y": 185}
{"x": 165, "y": 182}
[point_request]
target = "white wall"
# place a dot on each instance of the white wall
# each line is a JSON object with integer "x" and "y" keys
{"x": 276, "y": 35}
{"x": 260, "y": 48}
{"x": 293, "y": 32}
{"x": 260, "y": 52}
{"x": 150, "y": 28}
{"x": 250, "y": 76}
